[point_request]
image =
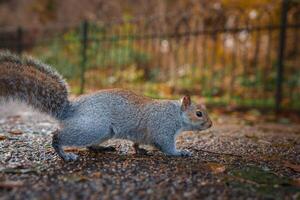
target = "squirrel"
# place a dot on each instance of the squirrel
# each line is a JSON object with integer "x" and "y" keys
{"x": 89, "y": 120}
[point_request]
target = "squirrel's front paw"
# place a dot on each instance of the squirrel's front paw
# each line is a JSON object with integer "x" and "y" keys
{"x": 186, "y": 153}
{"x": 69, "y": 157}
{"x": 183, "y": 153}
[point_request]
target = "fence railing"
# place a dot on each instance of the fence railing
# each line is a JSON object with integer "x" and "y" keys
{"x": 243, "y": 58}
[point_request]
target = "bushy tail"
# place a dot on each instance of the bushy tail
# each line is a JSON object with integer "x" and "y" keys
{"x": 34, "y": 83}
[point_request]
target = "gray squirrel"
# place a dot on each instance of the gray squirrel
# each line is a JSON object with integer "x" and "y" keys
{"x": 89, "y": 120}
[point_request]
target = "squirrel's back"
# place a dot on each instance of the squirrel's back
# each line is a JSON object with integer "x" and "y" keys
{"x": 124, "y": 109}
{"x": 112, "y": 103}
{"x": 32, "y": 82}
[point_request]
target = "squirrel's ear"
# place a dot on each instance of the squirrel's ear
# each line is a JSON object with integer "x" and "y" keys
{"x": 202, "y": 106}
{"x": 185, "y": 102}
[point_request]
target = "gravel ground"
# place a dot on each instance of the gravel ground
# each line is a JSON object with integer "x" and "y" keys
{"x": 240, "y": 157}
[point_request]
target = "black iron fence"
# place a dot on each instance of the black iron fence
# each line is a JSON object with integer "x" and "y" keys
{"x": 226, "y": 56}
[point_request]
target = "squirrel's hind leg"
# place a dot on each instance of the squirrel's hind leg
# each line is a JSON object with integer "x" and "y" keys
{"x": 56, "y": 144}
{"x": 80, "y": 136}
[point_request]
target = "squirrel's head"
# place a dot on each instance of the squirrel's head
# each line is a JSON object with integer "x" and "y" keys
{"x": 194, "y": 116}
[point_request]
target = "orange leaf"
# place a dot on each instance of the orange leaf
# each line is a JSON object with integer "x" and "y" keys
{"x": 216, "y": 168}
{"x": 296, "y": 182}
{"x": 294, "y": 167}
{"x": 15, "y": 132}
{"x": 96, "y": 174}
{"x": 2, "y": 137}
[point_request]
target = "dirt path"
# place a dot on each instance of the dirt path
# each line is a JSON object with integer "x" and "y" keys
{"x": 235, "y": 159}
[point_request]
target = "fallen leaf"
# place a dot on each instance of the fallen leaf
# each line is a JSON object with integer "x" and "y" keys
{"x": 252, "y": 137}
{"x": 16, "y": 132}
{"x": 76, "y": 178}
{"x": 96, "y": 174}
{"x": 296, "y": 182}
{"x": 251, "y": 118}
{"x": 10, "y": 184}
{"x": 294, "y": 167}
{"x": 2, "y": 137}
{"x": 282, "y": 145}
{"x": 216, "y": 168}
{"x": 258, "y": 176}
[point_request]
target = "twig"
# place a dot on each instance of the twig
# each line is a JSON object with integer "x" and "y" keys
{"x": 218, "y": 153}
{"x": 244, "y": 180}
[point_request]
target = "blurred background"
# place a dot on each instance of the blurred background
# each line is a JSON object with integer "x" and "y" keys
{"x": 222, "y": 52}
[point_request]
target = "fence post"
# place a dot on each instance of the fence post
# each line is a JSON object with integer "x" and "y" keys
{"x": 84, "y": 42}
{"x": 280, "y": 64}
{"x": 19, "y": 40}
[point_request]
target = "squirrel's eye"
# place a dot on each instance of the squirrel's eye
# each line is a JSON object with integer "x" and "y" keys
{"x": 199, "y": 114}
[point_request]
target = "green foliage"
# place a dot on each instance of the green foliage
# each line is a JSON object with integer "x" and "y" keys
{"x": 65, "y": 53}
{"x": 122, "y": 60}
{"x": 114, "y": 56}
